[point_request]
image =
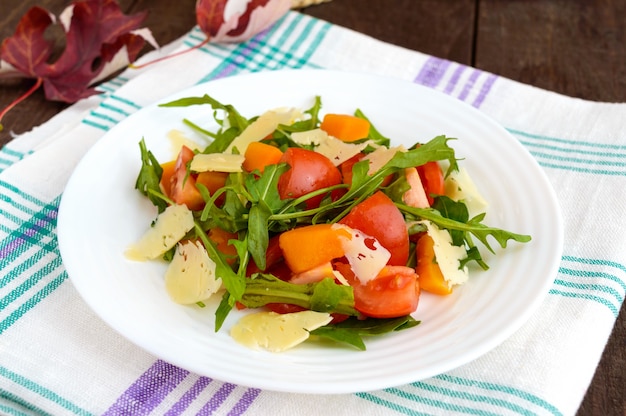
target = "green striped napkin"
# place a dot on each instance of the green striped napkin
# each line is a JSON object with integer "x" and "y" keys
{"x": 58, "y": 358}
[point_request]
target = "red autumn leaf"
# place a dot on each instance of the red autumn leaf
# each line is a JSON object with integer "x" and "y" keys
{"x": 96, "y": 33}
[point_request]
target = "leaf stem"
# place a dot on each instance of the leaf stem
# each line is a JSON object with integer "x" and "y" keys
{"x": 20, "y": 99}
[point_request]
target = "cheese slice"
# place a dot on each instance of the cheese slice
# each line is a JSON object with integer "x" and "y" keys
{"x": 448, "y": 255}
{"x": 178, "y": 140}
{"x": 169, "y": 227}
{"x": 217, "y": 162}
{"x": 460, "y": 187}
{"x": 277, "y": 332}
{"x": 334, "y": 149}
{"x": 264, "y": 125}
{"x": 379, "y": 157}
{"x": 190, "y": 276}
{"x": 365, "y": 254}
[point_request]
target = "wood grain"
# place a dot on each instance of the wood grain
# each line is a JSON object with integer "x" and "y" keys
{"x": 573, "y": 47}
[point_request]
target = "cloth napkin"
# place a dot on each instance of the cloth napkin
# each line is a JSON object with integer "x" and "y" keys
{"x": 57, "y": 357}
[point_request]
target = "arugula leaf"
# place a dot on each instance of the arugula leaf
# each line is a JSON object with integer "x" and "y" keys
{"x": 374, "y": 134}
{"x": 433, "y": 150}
{"x": 235, "y": 123}
{"x": 262, "y": 289}
{"x": 258, "y": 236}
{"x": 473, "y": 226}
{"x": 326, "y": 297}
{"x": 149, "y": 177}
{"x": 314, "y": 111}
{"x": 353, "y": 329}
{"x": 456, "y": 211}
{"x": 234, "y": 118}
{"x": 223, "y": 310}
{"x": 265, "y": 186}
{"x": 235, "y": 201}
{"x": 235, "y": 283}
{"x": 263, "y": 191}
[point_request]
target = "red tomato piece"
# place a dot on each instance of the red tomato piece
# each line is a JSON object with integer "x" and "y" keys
{"x": 378, "y": 217}
{"x": 273, "y": 255}
{"x": 346, "y": 167}
{"x": 393, "y": 293}
{"x": 183, "y": 186}
{"x": 284, "y": 308}
{"x": 432, "y": 180}
{"x": 309, "y": 172}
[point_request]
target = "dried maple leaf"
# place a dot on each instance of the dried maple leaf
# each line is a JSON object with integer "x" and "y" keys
{"x": 100, "y": 39}
{"x": 238, "y": 20}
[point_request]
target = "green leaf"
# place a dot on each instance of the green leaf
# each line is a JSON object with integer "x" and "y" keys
{"x": 236, "y": 198}
{"x": 396, "y": 190}
{"x": 223, "y": 310}
{"x": 236, "y": 122}
{"x": 433, "y": 150}
{"x": 265, "y": 187}
{"x": 345, "y": 336}
{"x": 479, "y": 230}
{"x": 326, "y": 298}
{"x": 456, "y": 211}
{"x": 149, "y": 177}
{"x": 262, "y": 289}
{"x": 235, "y": 119}
{"x": 258, "y": 237}
{"x": 234, "y": 283}
{"x": 353, "y": 329}
{"x": 374, "y": 134}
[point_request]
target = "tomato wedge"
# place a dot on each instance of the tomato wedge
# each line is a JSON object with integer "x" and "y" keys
{"x": 309, "y": 172}
{"x": 378, "y": 217}
{"x": 182, "y": 185}
{"x": 432, "y": 180}
{"x": 393, "y": 293}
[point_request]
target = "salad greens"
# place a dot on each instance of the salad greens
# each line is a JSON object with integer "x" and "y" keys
{"x": 252, "y": 208}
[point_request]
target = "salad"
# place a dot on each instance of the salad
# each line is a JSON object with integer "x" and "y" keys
{"x": 313, "y": 220}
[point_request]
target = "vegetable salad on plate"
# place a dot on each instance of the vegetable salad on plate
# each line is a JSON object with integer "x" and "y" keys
{"x": 313, "y": 223}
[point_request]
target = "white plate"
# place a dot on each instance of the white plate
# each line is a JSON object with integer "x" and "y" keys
{"x": 101, "y": 214}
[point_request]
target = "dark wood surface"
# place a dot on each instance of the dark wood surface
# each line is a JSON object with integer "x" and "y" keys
{"x": 574, "y": 47}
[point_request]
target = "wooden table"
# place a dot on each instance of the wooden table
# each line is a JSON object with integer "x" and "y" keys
{"x": 574, "y": 47}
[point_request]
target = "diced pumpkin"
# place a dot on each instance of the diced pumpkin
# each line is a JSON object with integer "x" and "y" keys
{"x": 166, "y": 177}
{"x": 259, "y": 155}
{"x": 429, "y": 274}
{"x": 213, "y": 181}
{"x": 313, "y": 245}
{"x": 345, "y": 127}
{"x": 220, "y": 237}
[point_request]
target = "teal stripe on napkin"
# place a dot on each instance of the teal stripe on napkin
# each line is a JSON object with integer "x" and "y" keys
{"x": 581, "y": 156}
{"x": 30, "y": 263}
{"x": 447, "y": 393}
{"x": 40, "y": 390}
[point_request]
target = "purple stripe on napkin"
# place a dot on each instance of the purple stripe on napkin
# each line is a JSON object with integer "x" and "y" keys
{"x": 217, "y": 400}
{"x": 484, "y": 90}
{"x": 432, "y": 72}
{"x": 245, "y": 402}
{"x": 469, "y": 84}
{"x": 454, "y": 79}
{"x": 189, "y": 396}
{"x": 148, "y": 391}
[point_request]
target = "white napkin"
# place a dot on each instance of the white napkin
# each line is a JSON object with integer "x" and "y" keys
{"x": 57, "y": 357}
